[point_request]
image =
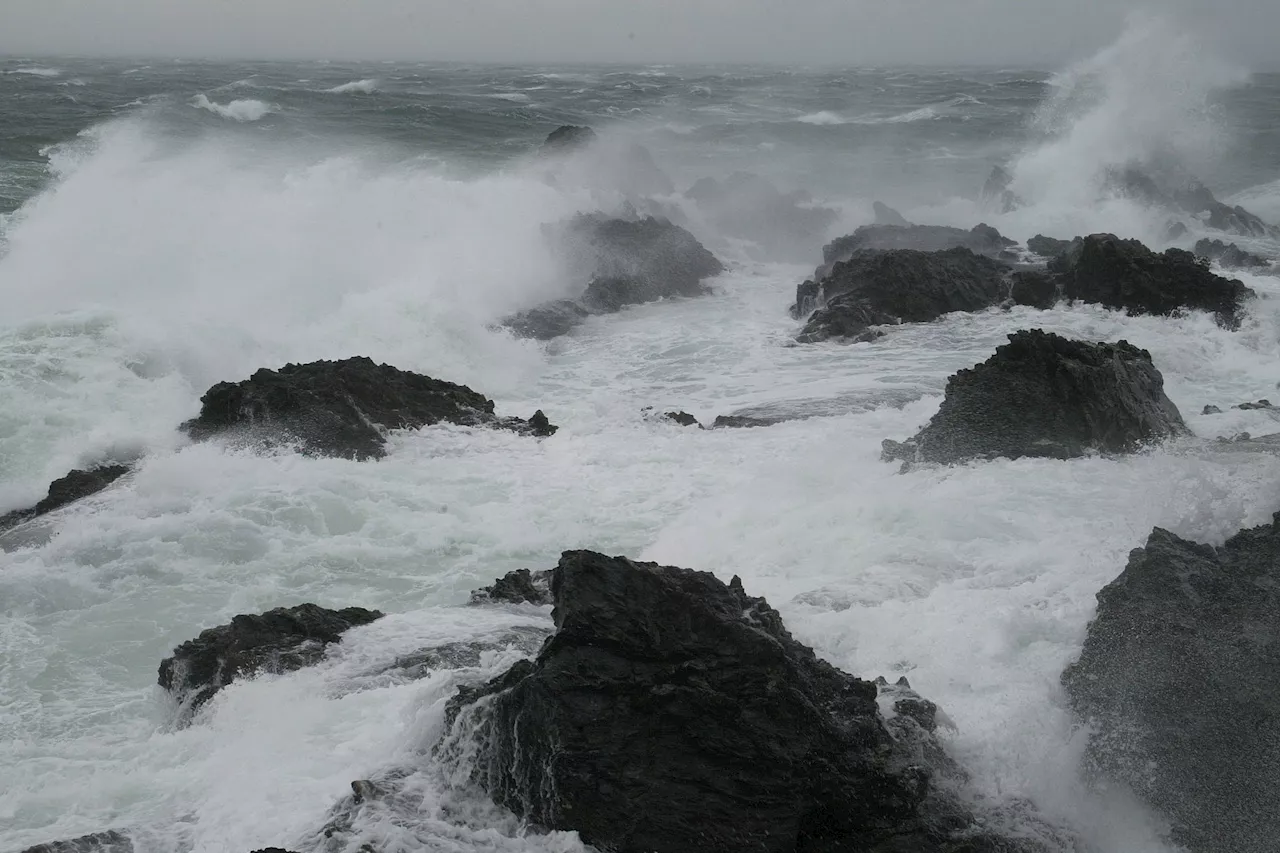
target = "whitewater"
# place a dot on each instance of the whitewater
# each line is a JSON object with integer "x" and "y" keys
{"x": 165, "y": 236}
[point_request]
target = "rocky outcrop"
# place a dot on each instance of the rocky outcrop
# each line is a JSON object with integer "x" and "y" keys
{"x": 1034, "y": 288}
{"x": 1049, "y": 247}
{"x": 622, "y": 262}
{"x": 280, "y": 640}
{"x": 99, "y": 842}
{"x": 1127, "y": 276}
{"x": 784, "y": 226}
{"x": 996, "y": 192}
{"x": 1171, "y": 189}
{"x": 1045, "y": 395}
{"x": 65, "y": 491}
{"x": 519, "y": 587}
{"x": 981, "y": 240}
{"x": 344, "y": 408}
{"x": 1229, "y": 255}
{"x": 1180, "y": 681}
{"x": 899, "y": 286}
{"x": 568, "y": 138}
{"x": 670, "y": 712}
{"x": 886, "y": 215}
{"x": 1256, "y": 405}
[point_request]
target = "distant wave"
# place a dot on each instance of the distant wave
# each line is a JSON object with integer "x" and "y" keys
{"x": 514, "y": 97}
{"x": 922, "y": 114}
{"x": 364, "y": 87}
{"x": 35, "y": 71}
{"x": 823, "y": 118}
{"x": 242, "y": 110}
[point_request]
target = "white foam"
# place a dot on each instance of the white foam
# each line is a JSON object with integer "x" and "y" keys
{"x": 825, "y": 117}
{"x": 238, "y": 110}
{"x": 363, "y": 87}
{"x": 37, "y": 71}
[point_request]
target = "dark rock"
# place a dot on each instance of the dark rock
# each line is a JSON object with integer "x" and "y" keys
{"x": 1035, "y": 289}
{"x": 275, "y": 849}
{"x": 1229, "y": 255}
{"x": 99, "y": 842}
{"x": 65, "y": 491}
{"x": 1048, "y": 247}
{"x": 670, "y": 713}
{"x": 902, "y": 286}
{"x": 1045, "y": 395}
{"x": 785, "y": 226}
{"x": 740, "y": 422}
{"x": 1211, "y": 410}
{"x": 519, "y": 587}
{"x": 1261, "y": 404}
{"x": 886, "y": 215}
{"x": 982, "y": 240}
{"x": 280, "y": 640}
{"x": 1175, "y": 230}
{"x": 807, "y": 295}
{"x": 996, "y": 191}
{"x": 568, "y": 138}
{"x": 343, "y": 408}
{"x": 682, "y": 418}
{"x": 1180, "y": 679}
{"x": 1177, "y": 191}
{"x": 622, "y": 262}
{"x": 1126, "y": 275}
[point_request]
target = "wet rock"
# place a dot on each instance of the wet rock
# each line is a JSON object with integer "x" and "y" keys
{"x": 343, "y": 408}
{"x": 1048, "y": 247}
{"x": 1048, "y": 396}
{"x": 272, "y": 850}
{"x": 1180, "y": 679}
{"x": 671, "y": 712}
{"x": 996, "y": 191}
{"x": 902, "y": 286}
{"x": 981, "y": 240}
{"x": 65, "y": 491}
{"x": 622, "y": 262}
{"x": 740, "y": 422}
{"x": 280, "y": 640}
{"x": 807, "y": 296}
{"x": 568, "y": 138}
{"x": 1211, "y": 410}
{"x": 99, "y": 842}
{"x": 519, "y": 587}
{"x": 784, "y": 226}
{"x": 1261, "y": 404}
{"x": 1035, "y": 289}
{"x": 1126, "y": 275}
{"x": 886, "y": 215}
{"x": 682, "y": 418}
{"x": 424, "y": 662}
{"x": 1172, "y": 189}
{"x": 1229, "y": 255}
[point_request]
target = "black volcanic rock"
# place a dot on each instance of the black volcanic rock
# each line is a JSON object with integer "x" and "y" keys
{"x": 1180, "y": 680}
{"x": 519, "y": 587}
{"x": 671, "y": 713}
{"x": 567, "y": 138}
{"x": 1045, "y": 395}
{"x": 622, "y": 262}
{"x": 981, "y": 240}
{"x": 1034, "y": 288}
{"x": 900, "y": 286}
{"x": 280, "y": 640}
{"x": 1229, "y": 255}
{"x": 1048, "y": 247}
{"x": 343, "y": 408}
{"x": 1126, "y": 275}
{"x": 784, "y": 226}
{"x": 65, "y": 491}
{"x": 682, "y": 418}
{"x": 99, "y": 842}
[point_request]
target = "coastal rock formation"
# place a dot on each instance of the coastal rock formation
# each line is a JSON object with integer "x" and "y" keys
{"x": 886, "y": 215}
{"x": 671, "y": 712}
{"x": 899, "y": 286}
{"x": 280, "y": 640}
{"x": 1170, "y": 188}
{"x": 1229, "y": 255}
{"x": 1180, "y": 680}
{"x": 1045, "y": 395}
{"x": 99, "y": 842}
{"x": 343, "y": 408}
{"x": 568, "y": 138}
{"x": 981, "y": 240}
{"x": 65, "y": 491}
{"x": 519, "y": 587}
{"x": 623, "y": 262}
{"x": 1049, "y": 247}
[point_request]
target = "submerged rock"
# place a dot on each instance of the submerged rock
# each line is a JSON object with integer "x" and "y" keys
{"x": 1180, "y": 680}
{"x": 1126, "y": 275}
{"x": 623, "y": 262}
{"x": 901, "y": 286}
{"x": 784, "y": 226}
{"x": 1229, "y": 255}
{"x": 670, "y": 713}
{"x": 1045, "y": 395}
{"x": 65, "y": 491}
{"x": 280, "y": 640}
{"x": 99, "y": 842}
{"x": 519, "y": 587}
{"x": 343, "y": 408}
{"x": 981, "y": 240}
{"x": 567, "y": 138}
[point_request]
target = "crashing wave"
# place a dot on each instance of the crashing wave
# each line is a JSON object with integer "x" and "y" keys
{"x": 239, "y": 110}
{"x": 363, "y": 87}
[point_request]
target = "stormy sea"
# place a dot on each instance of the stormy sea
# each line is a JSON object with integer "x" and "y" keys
{"x": 167, "y": 226}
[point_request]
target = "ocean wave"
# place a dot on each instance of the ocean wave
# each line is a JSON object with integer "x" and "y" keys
{"x": 513, "y": 97}
{"x": 363, "y": 87}
{"x": 825, "y": 117}
{"x": 240, "y": 110}
{"x": 36, "y": 71}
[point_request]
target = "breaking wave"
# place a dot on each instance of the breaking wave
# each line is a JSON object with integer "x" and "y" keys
{"x": 238, "y": 110}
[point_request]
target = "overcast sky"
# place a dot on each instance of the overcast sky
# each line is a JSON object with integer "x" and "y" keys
{"x": 855, "y": 32}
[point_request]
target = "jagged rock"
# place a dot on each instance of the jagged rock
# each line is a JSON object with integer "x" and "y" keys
{"x": 519, "y": 587}
{"x": 670, "y": 712}
{"x": 1126, "y": 275}
{"x": 1229, "y": 255}
{"x": 623, "y": 262}
{"x": 886, "y": 215}
{"x": 567, "y": 138}
{"x": 1180, "y": 680}
{"x": 901, "y": 286}
{"x": 1034, "y": 288}
{"x": 996, "y": 191}
{"x": 981, "y": 239}
{"x": 784, "y": 226}
{"x": 65, "y": 491}
{"x": 343, "y": 408}
{"x": 1211, "y": 410}
{"x": 280, "y": 640}
{"x": 1261, "y": 404}
{"x": 99, "y": 842}
{"x": 1048, "y": 247}
{"x": 1177, "y": 191}
{"x": 682, "y": 418}
{"x": 740, "y": 422}
{"x": 1045, "y": 395}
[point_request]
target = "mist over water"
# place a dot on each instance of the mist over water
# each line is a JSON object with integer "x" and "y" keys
{"x": 169, "y": 227}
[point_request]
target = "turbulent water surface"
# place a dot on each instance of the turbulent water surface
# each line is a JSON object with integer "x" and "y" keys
{"x": 164, "y": 226}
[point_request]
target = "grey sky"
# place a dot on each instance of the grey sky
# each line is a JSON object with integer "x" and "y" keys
{"x": 856, "y": 32}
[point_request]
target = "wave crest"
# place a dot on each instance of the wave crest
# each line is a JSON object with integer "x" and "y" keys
{"x": 239, "y": 110}
{"x": 363, "y": 87}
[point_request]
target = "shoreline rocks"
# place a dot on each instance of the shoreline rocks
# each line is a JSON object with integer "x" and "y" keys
{"x": 982, "y": 239}
{"x": 343, "y": 408}
{"x": 1229, "y": 255}
{"x": 64, "y": 491}
{"x": 110, "y": 841}
{"x": 1043, "y": 395}
{"x": 1179, "y": 679}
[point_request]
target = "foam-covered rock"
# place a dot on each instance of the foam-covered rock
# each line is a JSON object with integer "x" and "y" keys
{"x": 65, "y": 491}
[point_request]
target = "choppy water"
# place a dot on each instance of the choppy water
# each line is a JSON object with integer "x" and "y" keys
{"x": 170, "y": 225}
